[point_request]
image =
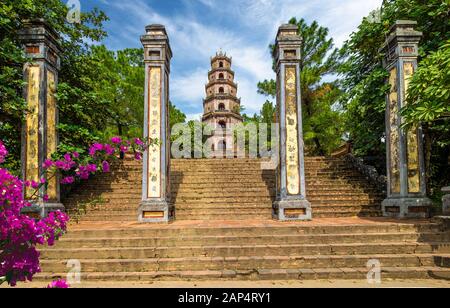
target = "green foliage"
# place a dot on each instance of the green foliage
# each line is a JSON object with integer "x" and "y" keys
{"x": 100, "y": 92}
{"x": 429, "y": 89}
{"x": 267, "y": 87}
{"x": 322, "y": 120}
{"x": 266, "y": 116}
{"x": 119, "y": 87}
{"x": 364, "y": 83}
{"x": 78, "y": 104}
{"x": 175, "y": 115}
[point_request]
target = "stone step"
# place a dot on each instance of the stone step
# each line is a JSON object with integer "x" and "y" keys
{"x": 257, "y": 274}
{"x": 243, "y": 263}
{"x": 207, "y": 215}
{"x": 242, "y": 240}
{"x": 238, "y": 173}
{"x": 186, "y": 193}
{"x": 332, "y": 187}
{"x": 133, "y": 204}
{"x": 238, "y": 191}
{"x": 317, "y": 208}
{"x": 321, "y": 202}
{"x": 109, "y": 218}
{"x": 316, "y": 234}
{"x": 244, "y": 250}
{"x": 194, "y": 180}
{"x": 343, "y": 208}
{"x": 200, "y": 169}
{"x": 185, "y": 215}
{"x": 347, "y": 214}
{"x": 228, "y": 196}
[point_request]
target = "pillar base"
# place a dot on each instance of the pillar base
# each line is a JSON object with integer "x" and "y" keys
{"x": 292, "y": 210}
{"x": 151, "y": 211}
{"x": 406, "y": 207}
{"x": 41, "y": 210}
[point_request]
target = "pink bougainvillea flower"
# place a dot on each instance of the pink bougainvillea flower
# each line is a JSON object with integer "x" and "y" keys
{"x": 68, "y": 180}
{"x": 106, "y": 167}
{"x": 95, "y": 148}
{"x": 47, "y": 164}
{"x": 137, "y": 156}
{"x": 3, "y": 153}
{"x": 75, "y": 155}
{"x": 123, "y": 149}
{"x": 43, "y": 181}
{"x": 138, "y": 141}
{"x": 68, "y": 157}
{"x": 45, "y": 198}
{"x": 58, "y": 284}
{"x": 116, "y": 140}
{"x": 92, "y": 168}
{"x": 108, "y": 149}
{"x": 34, "y": 184}
{"x": 20, "y": 234}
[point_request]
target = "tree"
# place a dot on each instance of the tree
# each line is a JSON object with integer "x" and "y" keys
{"x": 80, "y": 112}
{"x": 429, "y": 89}
{"x": 175, "y": 115}
{"x": 323, "y": 127}
{"x": 365, "y": 86}
{"x": 120, "y": 87}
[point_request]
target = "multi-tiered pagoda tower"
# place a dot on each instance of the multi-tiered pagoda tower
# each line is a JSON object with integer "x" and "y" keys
{"x": 221, "y": 105}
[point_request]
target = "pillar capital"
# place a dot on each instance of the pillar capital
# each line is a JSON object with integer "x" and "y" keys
{"x": 41, "y": 42}
{"x": 287, "y": 45}
{"x": 156, "y": 44}
{"x": 402, "y": 42}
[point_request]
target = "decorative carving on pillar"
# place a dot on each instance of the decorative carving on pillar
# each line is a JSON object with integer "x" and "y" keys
{"x": 406, "y": 195}
{"x": 291, "y": 203}
{"x": 39, "y": 134}
{"x": 156, "y": 206}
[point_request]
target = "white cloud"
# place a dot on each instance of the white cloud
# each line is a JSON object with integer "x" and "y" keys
{"x": 255, "y": 23}
{"x": 194, "y": 117}
{"x": 188, "y": 87}
{"x": 209, "y": 3}
{"x": 250, "y": 99}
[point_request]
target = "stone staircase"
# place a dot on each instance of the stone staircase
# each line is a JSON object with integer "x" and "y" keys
{"x": 237, "y": 189}
{"x": 251, "y": 250}
{"x": 210, "y": 240}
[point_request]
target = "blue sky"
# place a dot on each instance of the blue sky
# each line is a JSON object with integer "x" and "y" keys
{"x": 242, "y": 28}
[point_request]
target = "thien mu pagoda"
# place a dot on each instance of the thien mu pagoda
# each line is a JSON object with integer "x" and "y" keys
{"x": 221, "y": 105}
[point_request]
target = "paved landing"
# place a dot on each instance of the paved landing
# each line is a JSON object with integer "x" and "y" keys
{"x": 88, "y": 225}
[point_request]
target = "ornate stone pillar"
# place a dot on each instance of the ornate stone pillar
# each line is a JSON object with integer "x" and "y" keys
{"x": 156, "y": 206}
{"x": 291, "y": 203}
{"x": 406, "y": 191}
{"x": 39, "y": 133}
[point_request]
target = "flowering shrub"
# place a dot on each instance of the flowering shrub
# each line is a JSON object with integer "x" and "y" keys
{"x": 3, "y": 152}
{"x": 58, "y": 284}
{"x": 72, "y": 167}
{"x": 20, "y": 234}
